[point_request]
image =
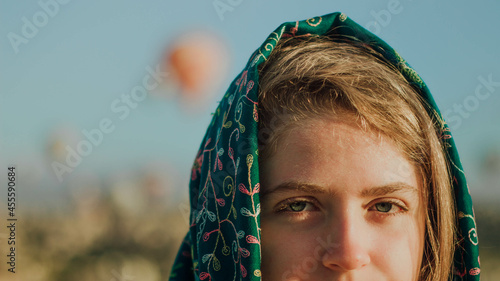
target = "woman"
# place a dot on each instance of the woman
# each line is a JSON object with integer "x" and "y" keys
{"x": 327, "y": 159}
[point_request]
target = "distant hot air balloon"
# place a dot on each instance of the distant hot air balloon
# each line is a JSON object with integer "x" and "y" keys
{"x": 197, "y": 63}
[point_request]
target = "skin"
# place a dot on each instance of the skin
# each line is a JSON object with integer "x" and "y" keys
{"x": 340, "y": 203}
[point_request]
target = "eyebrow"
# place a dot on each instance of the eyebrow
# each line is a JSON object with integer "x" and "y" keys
{"x": 386, "y": 189}
{"x": 376, "y": 191}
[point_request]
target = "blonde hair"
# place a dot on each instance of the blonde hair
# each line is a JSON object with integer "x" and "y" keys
{"x": 319, "y": 76}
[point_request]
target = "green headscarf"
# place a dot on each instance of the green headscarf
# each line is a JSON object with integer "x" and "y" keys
{"x": 223, "y": 242}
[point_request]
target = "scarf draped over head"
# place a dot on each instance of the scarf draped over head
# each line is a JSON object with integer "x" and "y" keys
{"x": 223, "y": 241}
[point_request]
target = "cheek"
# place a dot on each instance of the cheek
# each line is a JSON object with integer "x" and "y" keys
{"x": 283, "y": 256}
{"x": 399, "y": 252}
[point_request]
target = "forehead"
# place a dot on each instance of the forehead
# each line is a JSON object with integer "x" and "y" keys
{"x": 325, "y": 151}
{"x": 342, "y": 132}
{"x": 335, "y": 136}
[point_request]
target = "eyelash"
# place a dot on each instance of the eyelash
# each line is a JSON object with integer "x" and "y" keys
{"x": 284, "y": 207}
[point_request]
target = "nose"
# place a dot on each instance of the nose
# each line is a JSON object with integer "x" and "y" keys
{"x": 347, "y": 246}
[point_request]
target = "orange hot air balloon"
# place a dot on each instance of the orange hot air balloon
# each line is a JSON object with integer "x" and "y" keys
{"x": 197, "y": 63}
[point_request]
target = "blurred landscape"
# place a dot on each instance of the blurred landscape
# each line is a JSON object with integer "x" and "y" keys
{"x": 100, "y": 234}
{"x": 488, "y": 224}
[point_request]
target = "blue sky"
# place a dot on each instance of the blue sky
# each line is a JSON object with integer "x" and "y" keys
{"x": 89, "y": 53}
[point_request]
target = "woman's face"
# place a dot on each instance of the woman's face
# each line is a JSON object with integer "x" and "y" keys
{"x": 339, "y": 203}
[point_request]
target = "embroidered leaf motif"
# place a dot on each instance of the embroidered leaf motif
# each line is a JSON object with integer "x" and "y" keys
{"x": 251, "y": 239}
{"x": 216, "y": 264}
{"x": 198, "y": 217}
{"x": 211, "y": 216}
{"x": 221, "y": 151}
{"x": 474, "y": 271}
{"x": 240, "y": 234}
{"x": 244, "y": 252}
{"x": 225, "y": 250}
{"x": 228, "y": 124}
{"x": 256, "y": 188}
{"x": 249, "y": 86}
{"x": 243, "y": 271}
{"x": 221, "y": 202}
{"x": 205, "y": 258}
{"x": 249, "y": 159}
{"x": 243, "y": 189}
{"x": 204, "y": 276}
{"x": 257, "y": 212}
{"x": 206, "y": 236}
{"x": 234, "y": 246}
{"x": 235, "y": 214}
{"x": 242, "y": 128}
{"x": 246, "y": 212}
